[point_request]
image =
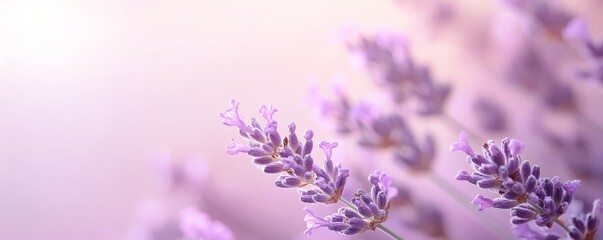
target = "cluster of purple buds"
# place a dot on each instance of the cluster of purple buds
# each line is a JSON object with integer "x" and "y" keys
{"x": 528, "y": 196}
{"x": 366, "y": 210}
{"x": 292, "y": 159}
{"x": 385, "y": 55}
{"x": 288, "y": 156}
{"x": 577, "y": 31}
{"x": 581, "y": 227}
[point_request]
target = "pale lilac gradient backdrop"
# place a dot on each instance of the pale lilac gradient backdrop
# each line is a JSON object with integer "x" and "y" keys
{"x": 92, "y": 91}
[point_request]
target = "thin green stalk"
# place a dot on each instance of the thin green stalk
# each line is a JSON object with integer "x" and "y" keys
{"x": 380, "y": 226}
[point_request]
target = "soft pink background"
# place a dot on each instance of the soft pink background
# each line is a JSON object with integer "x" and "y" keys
{"x": 92, "y": 91}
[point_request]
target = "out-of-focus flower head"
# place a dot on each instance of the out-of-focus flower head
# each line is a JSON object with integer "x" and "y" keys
{"x": 385, "y": 55}
{"x": 490, "y": 116}
{"x": 190, "y": 171}
{"x": 577, "y": 31}
{"x": 197, "y": 225}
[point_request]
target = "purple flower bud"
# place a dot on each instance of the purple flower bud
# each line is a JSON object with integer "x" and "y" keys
{"x": 365, "y": 211}
{"x": 463, "y": 175}
{"x": 497, "y": 156}
{"x": 338, "y": 226}
{"x": 536, "y": 171}
{"x": 357, "y": 223}
{"x": 488, "y": 183}
{"x": 320, "y": 198}
{"x": 257, "y": 152}
{"x": 523, "y": 213}
{"x": 531, "y": 183}
{"x": 263, "y": 160}
{"x": 274, "y": 137}
{"x": 516, "y": 147}
{"x": 308, "y": 134}
{"x": 525, "y": 170}
{"x": 504, "y": 203}
{"x": 273, "y": 168}
{"x": 513, "y": 165}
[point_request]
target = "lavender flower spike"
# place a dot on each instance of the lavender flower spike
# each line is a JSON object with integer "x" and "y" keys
{"x": 288, "y": 156}
{"x": 529, "y": 197}
{"x": 292, "y": 159}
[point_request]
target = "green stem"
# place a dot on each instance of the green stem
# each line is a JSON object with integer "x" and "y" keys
{"x": 380, "y": 226}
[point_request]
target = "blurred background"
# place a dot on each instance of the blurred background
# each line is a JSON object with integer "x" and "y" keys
{"x": 109, "y": 110}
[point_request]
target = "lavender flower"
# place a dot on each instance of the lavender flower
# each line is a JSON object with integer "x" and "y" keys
{"x": 288, "y": 156}
{"x": 292, "y": 159}
{"x": 386, "y": 56}
{"x": 577, "y": 31}
{"x": 196, "y": 225}
{"x": 528, "y": 196}
{"x": 366, "y": 211}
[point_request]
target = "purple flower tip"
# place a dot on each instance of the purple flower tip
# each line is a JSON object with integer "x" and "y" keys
{"x": 308, "y": 134}
{"x": 516, "y": 147}
{"x": 313, "y": 221}
{"x": 268, "y": 112}
{"x": 463, "y": 175}
{"x": 231, "y": 117}
{"x": 327, "y": 147}
{"x": 482, "y": 202}
{"x": 462, "y": 145}
{"x": 235, "y": 148}
{"x": 571, "y": 186}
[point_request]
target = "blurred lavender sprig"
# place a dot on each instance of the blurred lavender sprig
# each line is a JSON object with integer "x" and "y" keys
{"x": 293, "y": 161}
{"x": 529, "y": 197}
{"x": 197, "y": 225}
{"x": 387, "y": 58}
{"x": 577, "y": 31}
